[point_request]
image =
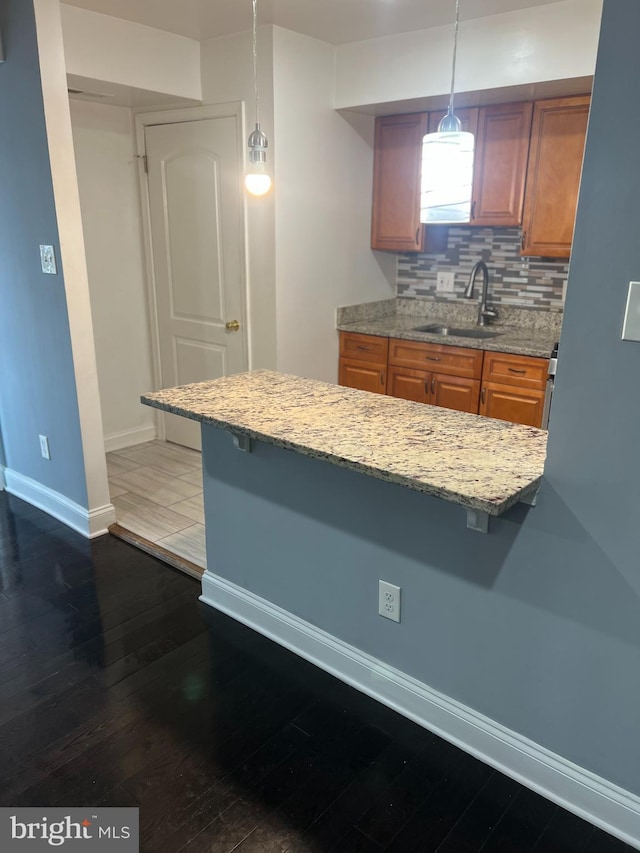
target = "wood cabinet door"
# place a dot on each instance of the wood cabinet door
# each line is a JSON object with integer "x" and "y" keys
{"x": 509, "y": 403}
{"x": 455, "y": 392}
{"x": 363, "y": 375}
{"x": 500, "y": 167}
{"x": 553, "y": 176}
{"x": 395, "y": 219}
{"x": 409, "y": 384}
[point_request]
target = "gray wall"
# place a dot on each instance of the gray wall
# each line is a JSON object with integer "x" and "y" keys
{"x": 37, "y": 383}
{"x": 538, "y": 624}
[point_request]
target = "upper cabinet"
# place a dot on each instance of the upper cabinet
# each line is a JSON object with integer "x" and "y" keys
{"x": 527, "y": 172}
{"x": 395, "y": 222}
{"x": 553, "y": 178}
{"x": 502, "y": 148}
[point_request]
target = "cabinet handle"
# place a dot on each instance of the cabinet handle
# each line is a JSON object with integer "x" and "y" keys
{"x": 483, "y": 396}
{"x": 432, "y": 358}
{"x": 362, "y": 349}
{"x": 433, "y": 385}
{"x": 513, "y": 370}
{"x": 426, "y": 387}
{"x": 382, "y": 377}
{"x": 418, "y": 235}
{"x": 473, "y": 210}
{"x": 523, "y": 242}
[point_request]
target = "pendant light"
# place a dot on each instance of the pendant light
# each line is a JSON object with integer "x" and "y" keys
{"x": 447, "y": 163}
{"x": 257, "y": 180}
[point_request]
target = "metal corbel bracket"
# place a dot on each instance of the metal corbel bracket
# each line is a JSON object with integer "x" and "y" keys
{"x": 242, "y": 442}
{"x": 478, "y": 520}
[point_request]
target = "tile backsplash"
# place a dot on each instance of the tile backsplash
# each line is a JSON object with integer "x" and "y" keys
{"x": 514, "y": 280}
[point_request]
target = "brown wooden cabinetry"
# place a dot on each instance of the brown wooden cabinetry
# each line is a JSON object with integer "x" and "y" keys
{"x": 513, "y": 388}
{"x": 395, "y": 221}
{"x": 363, "y": 362}
{"x": 452, "y": 380}
{"x": 500, "y": 168}
{"x": 553, "y": 177}
{"x": 495, "y": 384}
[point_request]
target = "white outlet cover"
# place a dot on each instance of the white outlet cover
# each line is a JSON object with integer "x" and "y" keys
{"x": 631, "y": 325}
{"x": 389, "y": 601}
{"x": 48, "y": 260}
{"x": 445, "y": 282}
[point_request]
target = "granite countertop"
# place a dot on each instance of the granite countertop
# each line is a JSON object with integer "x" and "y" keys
{"x": 519, "y": 340}
{"x": 483, "y": 464}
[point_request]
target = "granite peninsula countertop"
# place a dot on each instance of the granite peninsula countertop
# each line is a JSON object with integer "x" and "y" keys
{"x": 519, "y": 340}
{"x": 482, "y": 464}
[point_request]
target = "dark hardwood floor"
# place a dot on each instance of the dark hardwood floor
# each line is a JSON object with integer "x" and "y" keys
{"x": 117, "y": 687}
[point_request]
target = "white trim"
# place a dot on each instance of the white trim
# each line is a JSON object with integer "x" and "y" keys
{"x": 580, "y": 791}
{"x": 89, "y": 523}
{"x": 180, "y": 115}
{"x": 129, "y": 437}
{"x": 2, "y": 479}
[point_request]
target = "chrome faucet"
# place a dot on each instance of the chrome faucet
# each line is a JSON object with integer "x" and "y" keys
{"x": 485, "y": 313}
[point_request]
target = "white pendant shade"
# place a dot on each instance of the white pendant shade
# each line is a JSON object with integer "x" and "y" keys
{"x": 447, "y": 177}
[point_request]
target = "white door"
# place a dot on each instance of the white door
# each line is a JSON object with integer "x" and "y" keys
{"x": 197, "y": 233}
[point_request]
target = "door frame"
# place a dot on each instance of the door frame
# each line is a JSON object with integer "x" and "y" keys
{"x": 232, "y": 109}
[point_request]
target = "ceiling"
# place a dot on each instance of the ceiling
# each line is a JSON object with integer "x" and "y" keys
{"x": 334, "y": 21}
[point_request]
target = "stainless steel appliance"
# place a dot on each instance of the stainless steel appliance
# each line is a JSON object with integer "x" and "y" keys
{"x": 551, "y": 378}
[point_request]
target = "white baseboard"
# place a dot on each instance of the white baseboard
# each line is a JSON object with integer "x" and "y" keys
{"x": 129, "y": 437}
{"x": 582, "y": 792}
{"x": 89, "y": 523}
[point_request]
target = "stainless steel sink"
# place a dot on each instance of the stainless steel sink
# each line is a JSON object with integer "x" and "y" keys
{"x": 436, "y": 329}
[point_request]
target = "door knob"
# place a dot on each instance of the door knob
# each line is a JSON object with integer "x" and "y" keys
{"x": 232, "y": 326}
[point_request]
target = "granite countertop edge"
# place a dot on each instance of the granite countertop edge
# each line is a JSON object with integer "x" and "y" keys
{"x": 492, "y": 506}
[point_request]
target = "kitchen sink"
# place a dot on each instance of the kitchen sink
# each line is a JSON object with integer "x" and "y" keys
{"x": 436, "y": 329}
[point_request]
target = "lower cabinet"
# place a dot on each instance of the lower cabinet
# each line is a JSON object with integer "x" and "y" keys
{"x": 450, "y": 392}
{"x": 509, "y": 403}
{"x": 494, "y": 384}
{"x": 363, "y": 375}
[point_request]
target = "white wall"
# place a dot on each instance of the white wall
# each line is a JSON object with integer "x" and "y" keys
{"x": 65, "y": 189}
{"x": 104, "y": 48}
{"x": 324, "y": 166}
{"x": 227, "y": 75}
{"x": 109, "y": 197}
{"x": 551, "y": 42}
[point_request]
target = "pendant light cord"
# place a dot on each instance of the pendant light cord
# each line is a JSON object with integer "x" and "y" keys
{"x": 455, "y": 53}
{"x": 255, "y": 59}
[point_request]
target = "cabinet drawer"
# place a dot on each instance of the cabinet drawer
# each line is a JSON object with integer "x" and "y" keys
{"x": 521, "y": 370}
{"x": 454, "y": 361}
{"x": 364, "y": 347}
{"x": 362, "y": 375}
{"x": 518, "y": 405}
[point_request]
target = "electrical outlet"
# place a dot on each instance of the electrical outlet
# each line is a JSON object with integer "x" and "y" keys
{"x": 389, "y": 601}
{"x": 445, "y": 282}
{"x": 44, "y": 447}
{"x": 48, "y": 260}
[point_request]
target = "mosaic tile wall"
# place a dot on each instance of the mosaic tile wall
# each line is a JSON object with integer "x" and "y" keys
{"x": 526, "y": 282}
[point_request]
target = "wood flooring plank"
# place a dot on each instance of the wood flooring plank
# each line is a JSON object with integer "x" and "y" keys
{"x": 522, "y": 824}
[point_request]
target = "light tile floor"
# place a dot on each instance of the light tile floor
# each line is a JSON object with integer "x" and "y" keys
{"x": 156, "y": 489}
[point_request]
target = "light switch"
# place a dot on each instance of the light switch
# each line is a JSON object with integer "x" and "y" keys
{"x": 48, "y": 260}
{"x": 631, "y": 326}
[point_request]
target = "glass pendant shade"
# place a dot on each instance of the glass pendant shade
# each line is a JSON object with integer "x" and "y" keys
{"x": 447, "y": 176}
